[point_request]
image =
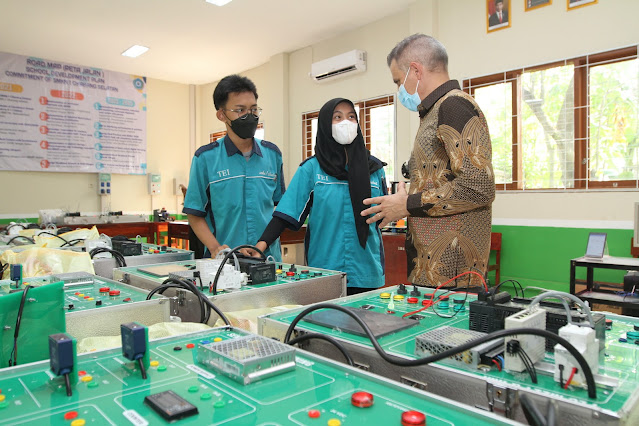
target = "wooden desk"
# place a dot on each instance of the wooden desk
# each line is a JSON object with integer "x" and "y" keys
{"x": 148, "y": 230}
{"x": 178, "y": 230}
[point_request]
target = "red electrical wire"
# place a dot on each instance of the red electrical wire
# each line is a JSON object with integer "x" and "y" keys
{"x": 572, "y": 374}
{"x": 497, "y": 364}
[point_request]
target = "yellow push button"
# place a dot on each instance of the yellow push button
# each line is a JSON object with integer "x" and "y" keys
{"x": 78, "y": 422}
{"x": 385, "y": 295}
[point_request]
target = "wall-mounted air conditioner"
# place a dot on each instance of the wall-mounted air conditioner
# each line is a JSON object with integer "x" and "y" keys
{"x": 345, "y": 64}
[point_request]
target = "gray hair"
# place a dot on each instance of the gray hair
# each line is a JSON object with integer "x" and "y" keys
{"x": 420, "y": 48}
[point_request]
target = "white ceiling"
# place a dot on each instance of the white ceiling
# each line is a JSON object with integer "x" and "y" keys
{"x": 190, "y": 41}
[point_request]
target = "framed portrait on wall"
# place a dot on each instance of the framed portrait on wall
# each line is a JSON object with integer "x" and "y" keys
{"x": 574, "y": 4}
{"x": 535, "y": 4}
{"x": 497, "y": 14}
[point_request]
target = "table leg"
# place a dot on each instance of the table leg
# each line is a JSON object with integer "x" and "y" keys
{"x": 572, "y": 277}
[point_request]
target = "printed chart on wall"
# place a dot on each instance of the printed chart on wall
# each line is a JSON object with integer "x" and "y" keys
{"x": 60, "y": 117}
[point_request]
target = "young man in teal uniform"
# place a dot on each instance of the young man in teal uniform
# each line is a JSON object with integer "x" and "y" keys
{"x": 236, "y": 181}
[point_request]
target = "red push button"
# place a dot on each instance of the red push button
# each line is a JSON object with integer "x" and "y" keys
{"x": 412, "y": 300}
{"x": 128, "y": 299}
{"x": 77, "y": 293}
{"x": 413, "y": 418}
{"x": 427, "y": 303}
{"x": 114, "y": 293}
{"x": 104, "y": 289}
{"x": 86, "y": 297}
{"x": 82, "y": 373}
{"x": 70, "y": 415}
{"x": 362, "y": 399}
{"x": 313, "y": 414}
{"x": 190, "y": 345}
{"x": 290, "y": 274}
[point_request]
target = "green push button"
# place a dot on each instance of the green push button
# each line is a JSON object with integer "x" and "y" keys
{"x": 219, "y": 404}
{"x": 92, "y": 385}
{"x": 4, "y": 404}
{"x": 162, "y": 368}
{"x": 205, "y": 396}
{"x": 193, "y": 389}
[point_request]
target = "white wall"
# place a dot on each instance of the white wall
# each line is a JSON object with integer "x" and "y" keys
{"x": 24, "y": 193}
{"x": 539, "y": 36}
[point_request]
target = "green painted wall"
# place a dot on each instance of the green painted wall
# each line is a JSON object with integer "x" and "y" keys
{"x": 540, "y": 256}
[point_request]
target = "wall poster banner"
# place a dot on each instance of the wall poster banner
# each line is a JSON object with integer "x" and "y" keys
{"x": 60, "y": 117}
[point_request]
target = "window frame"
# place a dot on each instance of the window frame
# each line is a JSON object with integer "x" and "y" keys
{"x": 581, "y": 111}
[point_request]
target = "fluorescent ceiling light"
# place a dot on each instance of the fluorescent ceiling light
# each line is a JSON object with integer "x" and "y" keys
{"x": 218, "y": 2}
{"x": 135, "y": 51}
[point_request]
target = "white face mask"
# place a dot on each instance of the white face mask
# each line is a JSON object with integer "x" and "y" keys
{"x": 344, "y": 132}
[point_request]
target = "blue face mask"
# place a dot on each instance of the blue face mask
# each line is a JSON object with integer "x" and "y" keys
{"x": 409, "y": 101}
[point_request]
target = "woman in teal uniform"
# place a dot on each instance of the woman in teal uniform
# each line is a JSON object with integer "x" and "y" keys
{"x": 329, "y": 188}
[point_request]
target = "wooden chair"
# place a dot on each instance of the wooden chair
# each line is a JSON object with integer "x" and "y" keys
{"x": 495, "y": 245}
{"x": 634, "y": 251}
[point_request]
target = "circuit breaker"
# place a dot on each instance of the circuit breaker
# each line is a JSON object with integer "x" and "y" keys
{"x": 104, "y": 183}
{"x": 154, "y": 183}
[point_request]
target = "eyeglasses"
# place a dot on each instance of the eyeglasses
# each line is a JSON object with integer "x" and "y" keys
{"x": 243, "y": 112}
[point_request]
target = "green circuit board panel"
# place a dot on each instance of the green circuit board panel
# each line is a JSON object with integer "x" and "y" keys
{"x": 283, "y": 272}
{"x": 316, "y": 391}
{"x": 85, "y": 291}
{"x": 617, "y": 378}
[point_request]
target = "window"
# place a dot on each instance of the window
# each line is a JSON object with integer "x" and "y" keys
{"x": 377, "y": 121}
{"x": 570, "y": 124}
{"x": 219, "y": 135}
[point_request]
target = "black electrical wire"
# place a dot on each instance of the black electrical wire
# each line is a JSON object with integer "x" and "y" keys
{"x": 142, "y": 369}
{"x": 329, "y": 339}
{"x": 532, "y": 413}
{"x": 73, "y": 242}
{"x": 205, "y": 313}
{"x": 528, "y": 364}
{"x": 119, "y": 257}
{"x": 174, "y": 283}
{"x": 226, "y": 257}
{"x": 20, "y": 236}
{"x": 455, "y": 312}
{"x": 51, "y": 233}
{"x": 13, "y": 357}
{"x": 590, "y": 379}
{"x": 514, "y": 283}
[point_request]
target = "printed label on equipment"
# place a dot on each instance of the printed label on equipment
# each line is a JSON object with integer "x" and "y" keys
{"x": 135, "y": 418}
{"x": 304, "y": 362}
{"x": 200, "y": 371}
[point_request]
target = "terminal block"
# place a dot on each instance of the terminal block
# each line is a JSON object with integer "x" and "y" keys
{"x": 533, "y": 346}
{"x": 584, "y": 340}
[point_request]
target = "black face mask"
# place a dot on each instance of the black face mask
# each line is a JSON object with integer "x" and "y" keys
{"x": 245, "y": 126}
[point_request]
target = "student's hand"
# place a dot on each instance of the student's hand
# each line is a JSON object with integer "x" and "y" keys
{"x": 254, "y": 253}
{"x": 389, "y": 207}
{"x": 217, "y": 250}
